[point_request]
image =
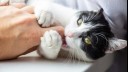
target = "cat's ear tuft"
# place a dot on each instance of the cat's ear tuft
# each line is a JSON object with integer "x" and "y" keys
{"x": 116, "y": 44}
{"x": 99, "y": 14}
{"x": 100, "y": 11}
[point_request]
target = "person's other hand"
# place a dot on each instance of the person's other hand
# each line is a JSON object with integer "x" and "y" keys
{"x": 19, "y": 31}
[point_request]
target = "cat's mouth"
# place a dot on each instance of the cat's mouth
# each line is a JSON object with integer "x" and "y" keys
{"x": 67, "y": 41}
{"x": 64, "y": 43}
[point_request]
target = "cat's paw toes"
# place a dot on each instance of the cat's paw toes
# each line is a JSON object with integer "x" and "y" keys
{"x": 56, "y": 38}
{"x": 50, "y": 44}
{"x": 45, "y": 19}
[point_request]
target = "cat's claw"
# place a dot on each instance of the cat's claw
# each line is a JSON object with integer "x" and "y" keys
{"x": 50, "y": 44}
{"x": 45, "y": 19}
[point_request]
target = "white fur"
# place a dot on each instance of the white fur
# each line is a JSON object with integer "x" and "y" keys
{"x": 116, "y": 44}
{"x": 64, "y": 16}
{"x": 75, "y": 50}
{"x": 51, "y": 42}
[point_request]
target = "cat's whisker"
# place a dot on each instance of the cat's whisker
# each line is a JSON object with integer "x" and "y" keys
{"x": 66, "y": 58}
{"x": 63, "y": 55}
{"x": 73, "y": 55}
{"x": 82, "y": 57}
{"x": 69, "y": 57}
{"x": 78, "y": 56}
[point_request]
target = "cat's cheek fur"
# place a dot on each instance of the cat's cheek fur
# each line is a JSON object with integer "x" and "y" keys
{"x": 50, "y": 45}
{"x": 76, "y": 50}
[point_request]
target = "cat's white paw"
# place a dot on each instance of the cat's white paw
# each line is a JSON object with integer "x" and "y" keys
{"x": 43, "y": 14}
{"x": 45, "y": 19}
{"x": 50, "y": 44}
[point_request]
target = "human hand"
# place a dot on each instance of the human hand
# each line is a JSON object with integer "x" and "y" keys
{"x": 19, "y": 31}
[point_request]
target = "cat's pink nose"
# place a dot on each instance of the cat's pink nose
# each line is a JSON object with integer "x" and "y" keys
{"x": 70, "y": 35}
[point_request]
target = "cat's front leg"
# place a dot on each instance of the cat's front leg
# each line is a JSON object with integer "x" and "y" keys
{"x": 50, "y": 45}
{"x": 44, "y": 16}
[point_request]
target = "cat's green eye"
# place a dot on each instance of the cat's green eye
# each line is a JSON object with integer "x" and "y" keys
{"x": 88, "y": 41}
{"x": 79, "y": 22}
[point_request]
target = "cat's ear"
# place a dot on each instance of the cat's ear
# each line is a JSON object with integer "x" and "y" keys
{"x": 99, "y": 14}
{"x": 116, "y": 44}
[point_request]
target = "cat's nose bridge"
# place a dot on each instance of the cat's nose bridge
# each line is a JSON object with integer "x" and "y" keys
{"x": 74, "y": 33}
{"x": 69, "y": 35}
{"x": 69, "y": 32}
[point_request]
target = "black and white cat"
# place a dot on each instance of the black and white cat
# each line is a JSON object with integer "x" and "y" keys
{"x": 88, "y": 34}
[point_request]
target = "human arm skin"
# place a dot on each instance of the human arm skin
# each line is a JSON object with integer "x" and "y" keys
{"x": 19, "y": 31}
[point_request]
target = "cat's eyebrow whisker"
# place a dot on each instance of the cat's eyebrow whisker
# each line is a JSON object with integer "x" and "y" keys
{"x": 97, "y": 40}
{"x": 92, "y": 46}
{"x": 103, "y": 36}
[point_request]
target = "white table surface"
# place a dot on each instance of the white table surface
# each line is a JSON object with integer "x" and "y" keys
{"x": 35, "y": 64}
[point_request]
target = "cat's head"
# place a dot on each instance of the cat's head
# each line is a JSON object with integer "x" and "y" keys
{"x": 89, "y": 34}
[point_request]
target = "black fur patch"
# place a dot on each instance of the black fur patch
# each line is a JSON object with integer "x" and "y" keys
{"x": 99, "y": 35}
